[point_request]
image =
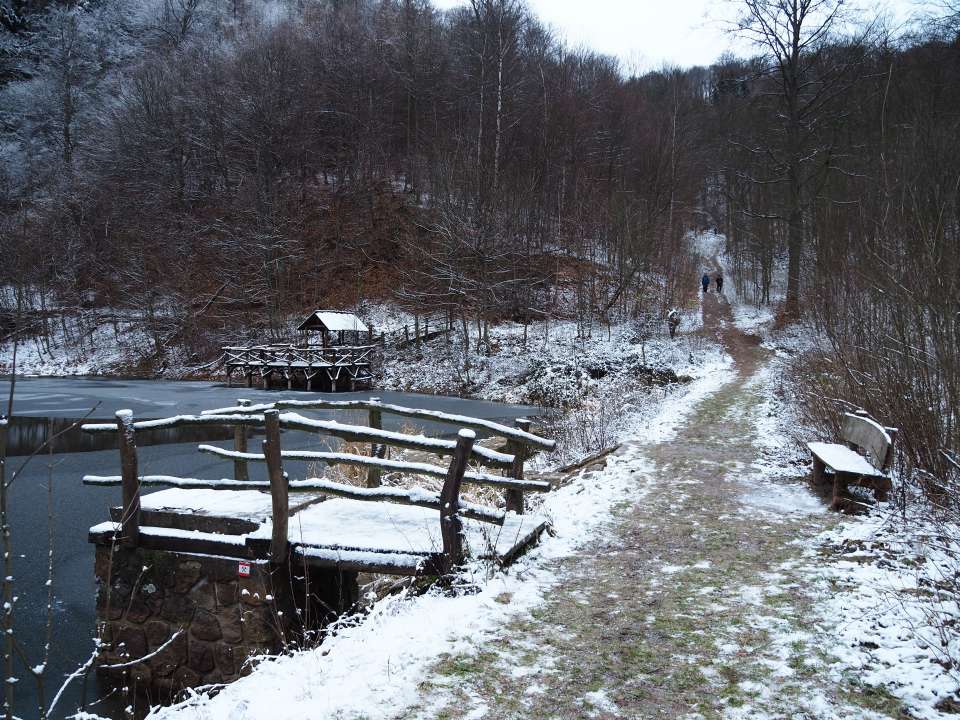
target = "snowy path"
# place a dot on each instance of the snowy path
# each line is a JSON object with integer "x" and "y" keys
{"x": 693, "y": 601}
{"x": 695, "y": 575}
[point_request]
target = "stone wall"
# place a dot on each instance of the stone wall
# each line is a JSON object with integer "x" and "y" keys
{"x": 145, "y": 597}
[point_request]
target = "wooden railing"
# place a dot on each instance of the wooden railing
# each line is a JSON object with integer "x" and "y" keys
{"x": 293, "y": 355}
{"x": 520, "y": 443}
{"x": 351, "y": 363}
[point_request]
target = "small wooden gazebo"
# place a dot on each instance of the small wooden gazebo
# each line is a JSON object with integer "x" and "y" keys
{"x": 348, "y": 327}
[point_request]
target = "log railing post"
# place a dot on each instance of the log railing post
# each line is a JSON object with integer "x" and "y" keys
{"x": 240, "y": 445}
{"x": 514, "y": 497}
{"x": 279, "y": 491}
{"x": 130, "y": 481}
{"x": 451, "y": 528}
{"x": 891, "y": 452}
{"x": 376, "y": 449}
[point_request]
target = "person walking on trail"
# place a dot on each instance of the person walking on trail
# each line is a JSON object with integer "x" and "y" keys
{"x": 673, "y": 321}
{"x": 705, "y": 281}
{"x": 719, "y": 280}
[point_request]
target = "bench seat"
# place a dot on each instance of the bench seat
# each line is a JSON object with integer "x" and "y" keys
{"x": 842, "y": 459}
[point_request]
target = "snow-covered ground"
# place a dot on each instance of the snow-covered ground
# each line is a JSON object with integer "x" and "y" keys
{"x": 883, "y": 581}
{"x": 883, "y": 607}
{"x": 874, "y": 581}
{"x": 107, "y": 342}
{"x": 888, "y": 586}
{"x": 372, "y": 666}
{"x": 556, "y": 365}
{"x": 92, "y": 351}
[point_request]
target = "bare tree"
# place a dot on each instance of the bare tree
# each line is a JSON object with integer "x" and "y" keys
{"x": 792, "y": 35}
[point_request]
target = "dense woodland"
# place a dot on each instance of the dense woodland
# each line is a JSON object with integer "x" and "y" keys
{"x": 212, "y": 168}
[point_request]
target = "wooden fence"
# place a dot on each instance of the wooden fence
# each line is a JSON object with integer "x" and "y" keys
{"x": 520, "y": 443}
{"x": 336, "y": 364}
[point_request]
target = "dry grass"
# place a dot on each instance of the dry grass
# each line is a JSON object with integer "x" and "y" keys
{"x": 357, "y": 476}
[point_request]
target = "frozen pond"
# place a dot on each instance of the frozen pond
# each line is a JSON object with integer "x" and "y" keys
{"x": 75, "y": 507}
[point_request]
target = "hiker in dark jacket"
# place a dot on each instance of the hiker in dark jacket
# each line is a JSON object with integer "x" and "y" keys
{"x": 719, "y": 280}
{"x": 705, "y": 281}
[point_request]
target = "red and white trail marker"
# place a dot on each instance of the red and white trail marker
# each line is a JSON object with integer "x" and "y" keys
{"x": 243, "y": 568}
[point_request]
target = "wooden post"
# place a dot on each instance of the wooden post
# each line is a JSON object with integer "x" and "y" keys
{"x": 819, "y": 471}
{"x": 518, "y": 449}
{"x": 891, "y": 453}
{"x": 249, "y": 379}
{"x": 451, "y": 529}
{"x": 279, "y": 492}
{"x": 130, "y": 515}
{"x": 375, "y": 421}
{"x": 840, "y": 490}
{"x": 416, "y": 333}
{"x": 240, "y": 445}
{"x": 406, "y": 334}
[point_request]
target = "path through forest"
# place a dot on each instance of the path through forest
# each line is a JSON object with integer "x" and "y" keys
{"x": 692, "y": 601}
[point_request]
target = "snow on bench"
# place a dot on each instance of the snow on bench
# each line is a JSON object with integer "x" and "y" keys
{"x": 842, "y": 459}
{"x": 343, "y": 524}
{"x": 415, "y": 496}
{"x": 345, "y": 533}
{"x": 384, "y": 563}
{"x": 850, "y": 467}
{"x": 241, "y": 504}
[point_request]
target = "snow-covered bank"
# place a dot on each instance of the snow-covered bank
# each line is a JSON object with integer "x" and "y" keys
{"x": 104, "y": 342}
{"x": 553, "y": 364}
{"x": 372, "y": 668}
{"x": 887, "y": 581}
{"x": 881, "y": 583}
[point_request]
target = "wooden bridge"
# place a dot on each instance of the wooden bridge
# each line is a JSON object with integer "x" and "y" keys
{"x": 209, "y": 570}
{"x": 313, "y": 367}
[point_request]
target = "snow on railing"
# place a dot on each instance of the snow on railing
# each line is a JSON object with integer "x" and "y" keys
{"x": 495, "y": 428}
{"x": 295, "y": 421}
{"x": 447, "y": 502}
{"x": 412, "y": 468}
{"x": 178, "y": 482}
{"x": 416, "y": 496}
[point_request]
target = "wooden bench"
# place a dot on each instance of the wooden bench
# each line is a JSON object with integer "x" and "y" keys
{"x": 866, "y": 468}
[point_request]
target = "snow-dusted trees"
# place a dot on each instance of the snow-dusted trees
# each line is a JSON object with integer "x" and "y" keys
{"x": 801, "y": 77}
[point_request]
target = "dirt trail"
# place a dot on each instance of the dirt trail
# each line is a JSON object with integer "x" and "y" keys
{"x": 691, "y": 605}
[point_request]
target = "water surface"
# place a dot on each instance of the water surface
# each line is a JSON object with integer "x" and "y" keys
{"x": 74, "y": 507}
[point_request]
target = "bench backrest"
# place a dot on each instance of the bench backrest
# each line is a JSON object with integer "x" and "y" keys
{"x": 869, "y": 435}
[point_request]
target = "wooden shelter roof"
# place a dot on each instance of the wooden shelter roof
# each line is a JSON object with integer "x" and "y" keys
{"x": 333, "y": 321}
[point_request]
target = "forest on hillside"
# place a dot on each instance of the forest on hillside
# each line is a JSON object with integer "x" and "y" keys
{"x": 210, "y": 168}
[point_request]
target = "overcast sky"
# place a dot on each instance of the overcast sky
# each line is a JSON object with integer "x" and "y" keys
{"x": 646, "y": 34}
